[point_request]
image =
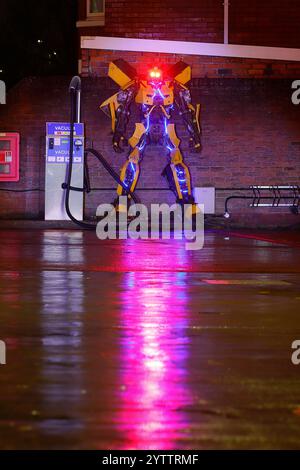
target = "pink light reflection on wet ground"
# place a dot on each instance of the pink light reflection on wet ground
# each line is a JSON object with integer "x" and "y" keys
{"x": 154, "y": 357}
{"x": 142, "y": 344}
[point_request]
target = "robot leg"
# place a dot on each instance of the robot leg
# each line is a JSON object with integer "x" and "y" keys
{"x": 131, "y": 169}
{"x": 177, "y": 173}
{"x": 179, "y": 178}
{"x": 129, "y": 176}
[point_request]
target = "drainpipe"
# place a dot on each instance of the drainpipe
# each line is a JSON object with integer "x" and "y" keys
{"x": 226, "y": 21}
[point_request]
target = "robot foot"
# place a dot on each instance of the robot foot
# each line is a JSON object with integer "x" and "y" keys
{"x": 121, "y": 208}
{"x": 191, "y": 209}
{"x": 186, "y": 200}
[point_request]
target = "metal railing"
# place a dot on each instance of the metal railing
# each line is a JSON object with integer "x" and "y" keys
{"x": 269, "y": 196}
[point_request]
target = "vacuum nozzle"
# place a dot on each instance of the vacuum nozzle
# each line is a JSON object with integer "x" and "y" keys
{"x": 75, "y": 84}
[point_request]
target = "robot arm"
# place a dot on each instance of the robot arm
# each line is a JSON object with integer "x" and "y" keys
{"x": 119, "y": 112}
{"x": 122, "y": 114}
{"x": 119, "y": 104}
{"x": 189, "y": 113}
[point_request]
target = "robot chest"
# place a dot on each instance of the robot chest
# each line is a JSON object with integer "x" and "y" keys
{"x": 150, "y": 96}
{"x": 156, "y": 133}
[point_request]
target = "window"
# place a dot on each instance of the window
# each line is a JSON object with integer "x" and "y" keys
{"x": 95, "y": 8}
{"x": 93, "y": 13}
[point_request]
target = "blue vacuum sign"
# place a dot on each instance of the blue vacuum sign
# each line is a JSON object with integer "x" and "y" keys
{"x": 58, "y": 141}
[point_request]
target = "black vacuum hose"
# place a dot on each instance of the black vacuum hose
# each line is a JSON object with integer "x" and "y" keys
{"x": 75, "y": 86}
{"x": 112, "y": 172}
{"x": 67, "y": 186}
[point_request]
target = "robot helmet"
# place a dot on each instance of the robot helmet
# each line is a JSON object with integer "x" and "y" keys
{"x": 155, "y": 74}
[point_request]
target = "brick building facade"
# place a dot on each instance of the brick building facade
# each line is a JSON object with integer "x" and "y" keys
{"x": 251, "y": 132}
{"x": 254, "y": 23}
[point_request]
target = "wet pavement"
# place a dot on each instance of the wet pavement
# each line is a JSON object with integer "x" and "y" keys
{"x": 144, "y": 345}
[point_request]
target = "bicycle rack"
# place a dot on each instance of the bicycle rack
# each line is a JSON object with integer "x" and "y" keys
{"x": 269, "y": 196}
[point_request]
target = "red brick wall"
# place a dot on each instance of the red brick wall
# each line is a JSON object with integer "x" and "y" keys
{"x": 30, "y": 104}
{"x": 95, "y": 64}
{"x": 170, "y": 19}
{"x": 265, "y": 23}
{"x": 251, "y": 135}
{"x": 270, "y": 23}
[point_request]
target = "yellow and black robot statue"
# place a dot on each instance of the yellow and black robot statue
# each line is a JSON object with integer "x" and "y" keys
{"x": 157, "y": 95}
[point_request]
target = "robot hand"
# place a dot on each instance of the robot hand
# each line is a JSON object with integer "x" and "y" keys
{"x": 190, "y": 115}
{"x": 197, "y": 149}
{"x": 118, "y": 140}
{"x": 195, "y": 146}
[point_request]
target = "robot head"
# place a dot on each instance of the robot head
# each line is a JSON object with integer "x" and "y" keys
{"x": 155, "y": 76}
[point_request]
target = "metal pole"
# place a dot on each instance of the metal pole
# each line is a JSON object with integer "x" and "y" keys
{"x": 75, "y": 90}
{"x": 78, "y": 106}
{"x": 226, "y": 21}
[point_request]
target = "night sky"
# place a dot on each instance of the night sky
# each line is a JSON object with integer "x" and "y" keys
{"x": 37, "y": 38}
